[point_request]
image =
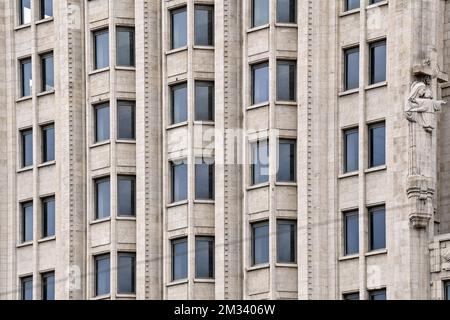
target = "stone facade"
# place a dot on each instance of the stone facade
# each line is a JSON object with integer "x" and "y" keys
{"x": 415, "y": 263}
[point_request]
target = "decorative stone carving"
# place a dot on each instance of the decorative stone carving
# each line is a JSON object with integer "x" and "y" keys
{"x": 420, "y": 111}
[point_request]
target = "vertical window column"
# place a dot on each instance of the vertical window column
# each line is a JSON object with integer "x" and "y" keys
{"x": 102, "y": 271}
{"x": 178, "y": 28}
{"x": 27, "y": 222}
{"x": 48, "y": 286}
{"x": 26, "y": 77}
{"x": 48, "y": 217}
{"x": 179, "y": 259}
{"x": 260, "y": 243}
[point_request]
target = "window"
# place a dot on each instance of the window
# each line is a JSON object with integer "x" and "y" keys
{"x": 47, "y": 72}
{"x": 375, "y": 1}
{"x": 204, "y": 100}
{"x": 260, "y": 12}
{"x": 27, "y": 222}
{"x": 26, "y": 77}
{"x": 101, "y": 118}
{"x": 286, "y": 80}
{"x": 260, "y": 162}
{"x": 179, "y": 103}
{"x": 27, "y": 288}
{"x": 286, "y": 11}
{"x": 102, "y": 275}
{"x": 353, "y": 295}
{"x": 260, "y": 83}
{"x": 102, "y": 198}
{"x": 260, "y": 243}
{"x": 46, "y": 10}
{"x": 377, "y": 231}
{"x": 204, "y": 257}
{"x": 377, "y": 145}
{"x": 447, "y": 290}
{"x": 286, "y": 161}
{"x": 377, "y": 294}
{"x": 126, "y": 120}
{"x": 48, "y": 286}
{"x": 48, "y": 217}
{"x": 204, "y": 179}
{"x": 378, "y": 62}
{"x": 25, "y": 11}
{"x": 126, "y": 196}
{"x": 48, "y": 143}
{"x": 101, "y": 49}
{"x": 179, "y": 259}
{"x": 178, "y": 18}
{"x": 351, "y": 150}
{"x": 27, "y": 147}
{"x": 350, "y": 5}
{"x": 351, "y": 232}
{"x": 351, "y": 65}
{"x": 204, "y": 25}
{"x": 286, "y": 241}
{"x": 179, "y": 182}
{"x": 126, "y": 273}
{"x": 125, "y": 46}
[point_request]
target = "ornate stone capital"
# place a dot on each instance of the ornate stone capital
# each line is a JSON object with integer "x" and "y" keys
{"x": 420, "y": 192}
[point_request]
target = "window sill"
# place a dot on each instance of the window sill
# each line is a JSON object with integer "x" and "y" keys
{"x": 25, "y": 244}
{"x": 200, "y": 47}
{"x": 124, "y": 141}
{"x": 93, "y": 72}
{"x": 377, "y": 85}
{"x": 286, "y": 184}
{"x": 286, "y": 103}
{"x": 177, "y": 283}
{"x": 257, "y": 28}
{"x": 204, "y": 280}
{"x": 103, "y": 297}
{"x": 47, "y": 239}
{"x": 42, "y": 21}
{"x": 22, "y": 26}
{"x": 99, "y": 144}
{"x": 258, "y": 186}
{"x": 126, "y": 295}
{"x": 47, "y": 164}
{"x": 258, "y": 267}
{"x": 24, "y": 99}
{"x": 125, "y": 68}
{"x": 200, "y": 201}
{"x": 46, "y": 93}
{"x": 348, "y": 175}
{"x": 376, "y": 169}
{"x": 379, "y": 4}
{"x": 177, "y": 125}
{"x": 293, "y": 25}
{"x": 126, "y": 218}
{"x": 376, "y": 252}
{"x": 177, "y": 204}
{"x": 349, "y": 257}
{"x": 99, "y": 221}
{"x": 29, "y": 168}
{"x": 286, "y": 265}
{"x": 204, "y": 123}
{"x": 349, "y": 92}
{"x": 258, "y": 105}
{"x": 349, "y": 12}
{"x": 176, "y": 50}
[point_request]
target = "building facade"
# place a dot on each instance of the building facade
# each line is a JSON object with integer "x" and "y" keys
{"x": 237, "y": 149}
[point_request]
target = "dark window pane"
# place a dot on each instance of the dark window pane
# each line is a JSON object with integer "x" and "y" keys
{"x": 377, "y": 144}
{"x": 27, "y": 222}
{"x": 377, "y": 228}
{"x": 48, "y": 82}
{"x": 126, "y": 119}
{"x": 375, "y": 1}
{"x": 260, "y": 243}
{"x": 351, "y": 232}
{"x": 260, "y": 83}
{"x": 378, "y": 62}
{"x": 27, "y": 288}
{"x": 179, "y": 103}
{"x": 204, "y": 257}
{"x": 126, "y": 273}
{"x": 204, "y": 101}
{"x": 26, "y": 77}
{"x": 102, "y": 275}
{"x": 351, "y": 296}
{"x": 260, "y": 12}
{"x": 101, "y": 50}
{"x": 101, "y": 122}
{"x": 48, "y": 286}
{"x": 447, "y": 290}
{"x": 204, "y": 25}
{"x": 351, "y": 68}
{"x": 351, "y": 150}
{"x": 48, "y": 214}
{"x": 48, "y": 143}
{"x": 27, "y": 148}
{"x": 377, "y": 295}
{"x": 179, "y": 28}
{"x": 126, "y": 195}
{"x": 125, "y": 47}
{"x": 286, "y": 11}
{"x": 286, "y": 81}
{"x": 46, "y": 9}
{"x": 102, "y": 198}
{"x": 204, "y": 180}
{"x": 286, "y": 161}
{"x": 286, "y": 241}
{"x": 260, "y": 162}
{"x": 350, "y": 5}
{"x": 179, "y": 182}
{"x": 179, "y": 259}
{"x": 25, "y": 11}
